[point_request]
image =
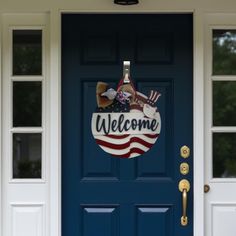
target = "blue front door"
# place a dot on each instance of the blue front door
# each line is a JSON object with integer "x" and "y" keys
{"x": 104, "y": 195}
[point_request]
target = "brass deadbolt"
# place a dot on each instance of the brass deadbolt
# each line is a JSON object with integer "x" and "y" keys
{"x": 184, "y": 168}
{"x": 185, "y": 151}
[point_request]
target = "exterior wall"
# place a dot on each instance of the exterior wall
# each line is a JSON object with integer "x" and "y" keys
{"x": 53, "y": 9}
{"x": 107, "y": 6}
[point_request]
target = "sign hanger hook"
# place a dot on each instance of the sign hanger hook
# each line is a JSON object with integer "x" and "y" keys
{"x": 126, "y": 71}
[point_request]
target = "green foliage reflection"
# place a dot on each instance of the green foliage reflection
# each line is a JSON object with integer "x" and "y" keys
{"x": 224, "y": 52}
{"x": 224, "y": 103}
{"x": 28, "y": 169}
{"x": 27, "y": 104}
{"x": 27, "y": 155}
{"x": 224, "y": 153}
{"x": 27, "y": 52}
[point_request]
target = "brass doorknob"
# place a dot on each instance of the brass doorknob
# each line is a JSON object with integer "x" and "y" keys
{"x": 206, "y": 188}
{"x": 184, "y": 187}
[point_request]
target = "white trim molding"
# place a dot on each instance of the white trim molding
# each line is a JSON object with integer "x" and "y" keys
{"x": 198, "y": 120}
{"x": 51, "y": 195}
{"x": 198, "y": 105}
{"x": 24, "y": 194}
{"x": 1, "y": 185}
{"x": 55, "y": 123}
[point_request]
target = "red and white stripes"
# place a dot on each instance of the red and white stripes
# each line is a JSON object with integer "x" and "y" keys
{"x": 127, "y": 145}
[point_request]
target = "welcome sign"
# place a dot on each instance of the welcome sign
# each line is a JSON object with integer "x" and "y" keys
{"x": 126, "y": 123}
{"x": 129, "y": 123}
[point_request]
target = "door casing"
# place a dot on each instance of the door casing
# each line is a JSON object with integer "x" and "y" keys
{"x": 53, "y": 52}
{"x": 198, "y": 114}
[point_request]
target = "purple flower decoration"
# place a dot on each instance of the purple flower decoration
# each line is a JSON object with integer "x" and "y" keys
{"x": 123, "y": 97}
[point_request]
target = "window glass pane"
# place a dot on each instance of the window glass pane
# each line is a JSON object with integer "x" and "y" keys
{"x": 224, "y": 52}
{"x": 27, "y": 104}
{"x": 27, "y": 52}
{"x": 224, "y": 103}
{"x": 224, "y": 155}
{"x": 27, "y": 155}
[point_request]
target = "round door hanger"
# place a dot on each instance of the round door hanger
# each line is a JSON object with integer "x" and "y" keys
{"x": 126, "y": 123}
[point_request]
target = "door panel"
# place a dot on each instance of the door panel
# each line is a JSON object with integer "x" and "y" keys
{"x": 101, "y": 194}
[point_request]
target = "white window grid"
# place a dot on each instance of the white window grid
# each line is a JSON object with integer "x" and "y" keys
{"x": 221, "y": 78}
{"x": 40, "y": 130}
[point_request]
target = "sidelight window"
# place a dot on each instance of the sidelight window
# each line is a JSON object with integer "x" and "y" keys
{"x": 27, "y": 52}
{"x": 224, "y": 103}
{"x": 27, "y": 82}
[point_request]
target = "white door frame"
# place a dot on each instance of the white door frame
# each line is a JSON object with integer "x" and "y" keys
{"x": 54, "y": 176}
{"x": 55, "y": 118}
{"x": 198, "y": 121}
